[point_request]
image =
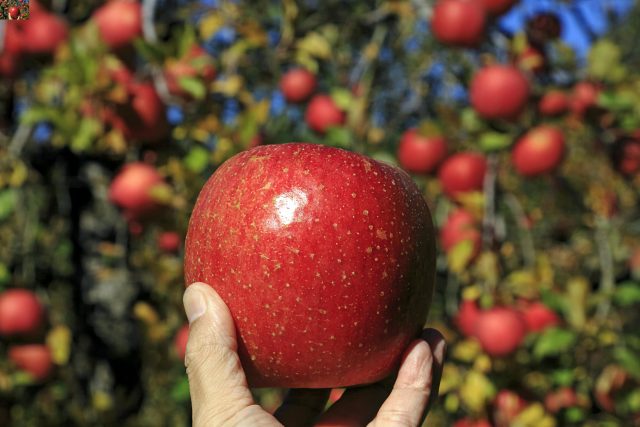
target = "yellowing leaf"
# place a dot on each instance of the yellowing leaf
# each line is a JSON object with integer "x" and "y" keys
{"x": 209, "y": 25}
{"x": 466, "y": 350}
{"x": 459, "y": 256}
{"x": 451, "y": 378}
{"x": 315, "y": 45}
{"x": 472, "y": 202}
{"x": 59, "y": 342}
{"x": 229, "y": 86}
{"x": 533, "y": 415}
{"x": 476, "y": 391}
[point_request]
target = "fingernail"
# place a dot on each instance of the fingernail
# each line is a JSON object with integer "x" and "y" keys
{"x": 194, "y": 304}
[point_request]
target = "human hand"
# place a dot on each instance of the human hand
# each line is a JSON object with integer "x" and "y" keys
{"x": 221, "y": 397}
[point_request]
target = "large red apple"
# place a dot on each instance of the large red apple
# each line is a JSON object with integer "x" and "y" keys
{"x": 584, "y": 96}
{"x": 132, "y": 188}
{"x": 180, "y": 341}
{"x": 44, "y": 33}
{"x": 539, "y": 317}
{"x": 324, "y": 257}
{"x": 506, "y": 407}
{"x": 143, "y": 118}
{"x": 498, "y": 7}
{"x": 195, "y": 64}
{"x": 119, "y": 22}
{"x": 460, "y": 227}
{"x": 14, "y": 12}
{"x": 323, "y": 113}
{"x": 297, "y": 84}
{"x": 459, "y": 22}
{"x": 467, "y": 317}
{"x": 499, "y": 92}
{"x": 539, "y": 151}
{"x": 420, "y": 153}
{"x": 21, "y": 313}
{"x": 462, "y": 172}
{"x": 34, "y": 359}
{"x": 500, "y": 330}
{"x": 553, "y": 103}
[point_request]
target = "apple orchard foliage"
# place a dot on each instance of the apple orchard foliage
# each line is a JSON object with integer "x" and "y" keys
{"x": 543, "y": 244}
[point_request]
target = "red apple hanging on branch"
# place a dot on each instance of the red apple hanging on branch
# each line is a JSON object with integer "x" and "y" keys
{"x": 323, "y": 113}
{"x": 459, "y": 22}
{"x": 539, "y": 151}
{"x": 297, "y": 84}
{"x": 462, "y": 172}
{"x": 420, "y": 153}
{"x": 21, "y": 313}
{"x": 324, "y": 257}
{"x": 499, "y": 92}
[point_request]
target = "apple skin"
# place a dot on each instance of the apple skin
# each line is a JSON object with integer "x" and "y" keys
{"x": 119, "y": 22}
{"x": 421, "y": 154}
{"x": 462, "y": 172}
{"x": 539, "y": 317}
{"x": 539, "y": 151}
{"x": 180, "y": 341}
{"x": 506, "y": 407}
{"x": 460, "y": 226}
{"x": 498, "y": 7}
{"x": 21, "y": 313}
{"x": 326, "y": 259}
{"x": 34, "y": 359}
{"x": 323, "y": 113}
{"x": 297, "y": 84}
{"x": 467, "y": 317}
{"x": 132, "y": 186}
{"x": 584, "y": 96}
{"x": 458, "y": 22}
{"x": 143, "y": 118}
{"x": 553, "y": 103}
{"x": 500, "y": 330}
{"x": 14, "y": 12}
{"x": 499, "y": 92}
{"x": 169, "y": 241}
{"x": 44, "y": 33}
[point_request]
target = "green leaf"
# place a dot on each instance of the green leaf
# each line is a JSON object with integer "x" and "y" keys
{"x": 87, "y": 132}
{"x": 563, "y": 377}
{"x": 494, "y": 141}
{"x": 604, "y": 61}
{"x": 148, "y": 51}
{"x": 627, "y": 293}
{"x": 553, "y": 342}
{"x": 5, "y": 275}
{"x": 385, "y": 157}
{"x": 629, "y": 360}
{"x": 339, "y": 137}
{"x": 197, "y": 159}
{"x": 180, "y": 390}
{"x": 193, "y": 86}
{"x": 342, "y": 98}
{"x": 7, "y": 203}
{"x": 471, "y": 122}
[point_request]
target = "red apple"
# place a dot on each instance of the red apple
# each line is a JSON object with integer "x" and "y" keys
{"x": 539, "y": 317}
{"x": 119, "y": 22}
{"x": 553, "y": 103}
{"x": 539, "y": 151}
{"x": 420, "y": 153}
{"x": 44, "y": 33}
{"x": 629, "y": 159}
{"x": 297, "y": 84}
{"x": 169, "y": 241}
{"x": 462, "y": 172}
{"x": 506, "y": 407}
{"x": 467, "y": 317}
{"x": 584, "y": 96}
{"x": 323, "y": 113}
{"x": 562, "y": 398}
{"x": 21, "y": 313}
{"x": 131, "y": 188}
{"x": 468, "y": 422}
{"x": 324, "y": 257}
{"x": 195, "y": 64}
{"x": 500, "y": 330}
{"x": 9, "y": 65}
{"x": 460, "y": 226}
{"x": 459, "y": 22}
{"x": 499, "y": 92}
{"x": 498, "y": 7}
{"x": 180, "y": 341}
{"x": 34, "y": 359}
{"x": 14, "y": 12}
{"x": 13, "y": 38}
{"x": 143, "y": 118}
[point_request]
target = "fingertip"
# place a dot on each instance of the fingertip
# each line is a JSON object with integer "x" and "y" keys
{"x": 416, "y": 366}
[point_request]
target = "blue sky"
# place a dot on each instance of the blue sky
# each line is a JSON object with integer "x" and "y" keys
{"x": 594, "y": 12}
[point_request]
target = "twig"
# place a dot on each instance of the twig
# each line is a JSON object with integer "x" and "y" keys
{"x": 3, "y": 29}
{"x": 607, "y": 278}
{"x": 19, "y": 139}
{"x": 526, "y": 239}
{"x": 151, "y": 36}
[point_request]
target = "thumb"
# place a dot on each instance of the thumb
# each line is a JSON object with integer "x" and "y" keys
{"x": 217, "y": 383}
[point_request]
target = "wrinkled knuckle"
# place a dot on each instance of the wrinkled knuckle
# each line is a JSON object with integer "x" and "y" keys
{"x": 199, "y": 354}
{"x": 394, "y": 418}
